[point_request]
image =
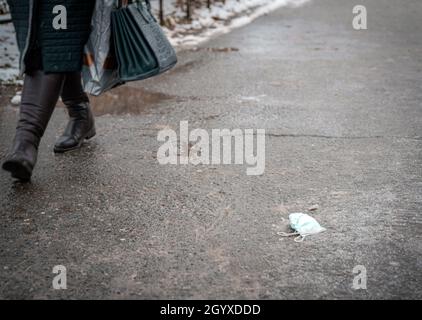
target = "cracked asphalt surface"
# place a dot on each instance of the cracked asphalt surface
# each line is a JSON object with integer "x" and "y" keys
{"x": 343, "y": 118}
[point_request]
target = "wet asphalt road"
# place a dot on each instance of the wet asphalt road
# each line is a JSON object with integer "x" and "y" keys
{"x": 343, "y": 117}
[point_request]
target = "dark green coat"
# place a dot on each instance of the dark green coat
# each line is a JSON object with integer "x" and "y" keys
{"x": 61, "y": 50}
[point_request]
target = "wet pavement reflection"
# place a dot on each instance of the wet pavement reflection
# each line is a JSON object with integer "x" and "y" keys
{"x": 127, "y": 100}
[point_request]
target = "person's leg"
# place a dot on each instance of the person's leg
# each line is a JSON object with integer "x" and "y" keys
{"x": 81, "y": 123}
{"x": 72, "y": 91}
{"x": 39, "y": 97}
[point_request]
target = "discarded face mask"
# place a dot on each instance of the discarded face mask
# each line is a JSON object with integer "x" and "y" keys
{"x": 304, "y": 225}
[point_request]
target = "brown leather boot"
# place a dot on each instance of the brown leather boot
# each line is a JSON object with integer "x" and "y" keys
{"x": 40, "y": 94}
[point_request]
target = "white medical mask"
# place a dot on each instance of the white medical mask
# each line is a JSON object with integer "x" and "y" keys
{"x": 303, "y": 224}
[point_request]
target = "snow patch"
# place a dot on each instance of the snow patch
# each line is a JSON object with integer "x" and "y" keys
{"x": 9, "y": 54}
{"x": 222, "y": 18}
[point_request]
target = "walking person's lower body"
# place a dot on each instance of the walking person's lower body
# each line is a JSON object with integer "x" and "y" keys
{"x": 51, "y": 59}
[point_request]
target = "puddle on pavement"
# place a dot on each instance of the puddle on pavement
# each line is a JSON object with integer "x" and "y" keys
{"x": 121, "y": 100}
{"x": 127, "y": 100}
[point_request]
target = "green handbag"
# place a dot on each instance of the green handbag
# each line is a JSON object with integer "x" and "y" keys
{"x": 141, "y": 47}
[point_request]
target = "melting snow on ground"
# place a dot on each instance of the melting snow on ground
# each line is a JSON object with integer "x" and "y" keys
{"x": 9, "y": 55}
{"x": 219, "y": 19}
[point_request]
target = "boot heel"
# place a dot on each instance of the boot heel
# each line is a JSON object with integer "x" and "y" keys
{"x": 90, "y": 134}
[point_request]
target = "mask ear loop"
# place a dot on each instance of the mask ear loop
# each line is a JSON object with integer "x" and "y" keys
{"x": 286, "y": 234}
{"x": 299, "y": 237}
